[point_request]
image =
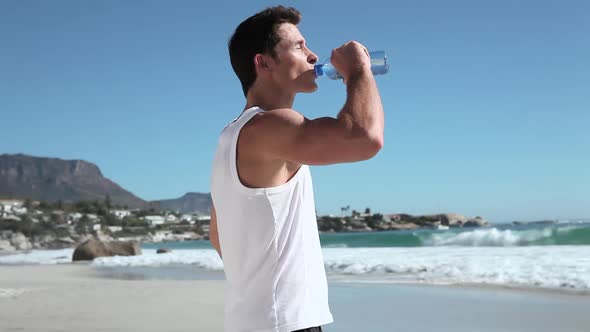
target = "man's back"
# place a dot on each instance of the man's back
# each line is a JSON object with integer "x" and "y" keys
{"x": 270, "y": 244}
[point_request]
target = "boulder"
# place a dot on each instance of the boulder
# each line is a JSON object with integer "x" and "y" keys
{"x": 193, "y": 236}
{"x": 92, "y": 248}
{"x": 163, "y": 251}
{"x": 20, "y": 242}
{"x": 476, "y": 222}
{"x": 453, "y": 219}
{"x": 6, "y": 246}
{"x": 404, "y": 226}
{"x": 5, "y": 235}
{"x": 383, "y": 226}
{"x": 42, "y": 242}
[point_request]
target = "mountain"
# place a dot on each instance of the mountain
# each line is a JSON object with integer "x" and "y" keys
{"x": 190, "y": 202}
{"x": 53, "y": 179}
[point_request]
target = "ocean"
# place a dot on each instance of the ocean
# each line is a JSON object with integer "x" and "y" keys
{"x": 534, "y": 256}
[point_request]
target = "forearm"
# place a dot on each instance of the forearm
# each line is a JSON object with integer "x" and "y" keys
{"x": 363, "y": 112}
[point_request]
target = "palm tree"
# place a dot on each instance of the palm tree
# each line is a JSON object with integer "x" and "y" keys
{"x": 344, "y": 210}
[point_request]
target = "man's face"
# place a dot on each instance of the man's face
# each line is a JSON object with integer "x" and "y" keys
{"x": 293, "y": 66}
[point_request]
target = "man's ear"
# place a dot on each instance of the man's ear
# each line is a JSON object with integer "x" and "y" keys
{"x": 262, "y": 63}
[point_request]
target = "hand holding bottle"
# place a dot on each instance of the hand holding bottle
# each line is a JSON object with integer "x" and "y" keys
{"x": 350, "y": 59}
{"x": 378, "y": 63}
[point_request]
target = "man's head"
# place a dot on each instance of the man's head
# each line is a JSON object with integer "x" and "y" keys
{"x": 270, "y": 42}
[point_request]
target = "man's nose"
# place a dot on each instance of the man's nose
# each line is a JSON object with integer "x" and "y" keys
{"x": 312, "y": 58}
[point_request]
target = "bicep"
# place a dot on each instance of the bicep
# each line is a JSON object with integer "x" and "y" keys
{"x": 327, "y": 140}
{"x": 319, "y": 141}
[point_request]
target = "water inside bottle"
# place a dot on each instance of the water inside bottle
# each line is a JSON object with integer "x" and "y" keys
{"x": 379, "y": 62}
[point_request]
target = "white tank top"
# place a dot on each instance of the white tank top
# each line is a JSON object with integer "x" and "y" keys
{"x": 270, "y": 246}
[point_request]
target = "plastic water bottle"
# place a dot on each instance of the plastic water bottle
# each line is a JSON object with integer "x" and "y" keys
{"x": 379, "y": 66}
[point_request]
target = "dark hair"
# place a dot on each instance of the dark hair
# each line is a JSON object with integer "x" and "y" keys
{"x": 257, "y": 35}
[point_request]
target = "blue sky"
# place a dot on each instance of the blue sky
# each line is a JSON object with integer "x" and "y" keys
{"x": 487, "y": 108}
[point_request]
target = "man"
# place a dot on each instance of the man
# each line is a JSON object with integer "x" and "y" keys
{"x": 263, "y": 221}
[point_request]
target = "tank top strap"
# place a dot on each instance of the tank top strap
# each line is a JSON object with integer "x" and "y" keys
{"x": 247, "y": 115}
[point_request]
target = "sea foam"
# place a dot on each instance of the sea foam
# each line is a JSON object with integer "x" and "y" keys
{"x": 203, "y": 258}
{"x": 13, "y": 292}
{"x": 561, "y": 267}
{"x": 60, "y": 256}
{"x": 556, "y": 267}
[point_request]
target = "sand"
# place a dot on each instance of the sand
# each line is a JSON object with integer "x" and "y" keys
{"x": 420, "y": 308}
{"x": 72, "y": 297}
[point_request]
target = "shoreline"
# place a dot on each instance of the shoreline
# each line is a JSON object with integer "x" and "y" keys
{"x": 549, "y": 269}
{"x": 141, "y": 273}
{"x": 473, "y": 286}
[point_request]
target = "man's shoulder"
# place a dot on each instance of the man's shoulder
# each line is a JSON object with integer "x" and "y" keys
{"x": 269, "y": 122}
{"x": 268, "y": 131}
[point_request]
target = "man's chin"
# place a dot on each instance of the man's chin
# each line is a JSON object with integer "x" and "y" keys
{"x": 307, "y": 83}
{"x": 310, "y": 89}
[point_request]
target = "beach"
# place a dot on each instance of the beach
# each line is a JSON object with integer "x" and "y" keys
{"x": 70, "y": 297}
{"x": 76, "y": 297}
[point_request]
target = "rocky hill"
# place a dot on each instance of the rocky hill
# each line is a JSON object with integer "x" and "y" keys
{"x": 190, "y": 202}
{"x": 53, "y": 179}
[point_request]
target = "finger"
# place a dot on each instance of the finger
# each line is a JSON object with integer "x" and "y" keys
{"x": 366, "y": 51}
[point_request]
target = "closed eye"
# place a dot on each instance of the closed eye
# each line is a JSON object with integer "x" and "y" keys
{"x": 299, "y": 45}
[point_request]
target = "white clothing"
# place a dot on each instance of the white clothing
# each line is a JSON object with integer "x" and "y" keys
{"x": 270, "y": 246}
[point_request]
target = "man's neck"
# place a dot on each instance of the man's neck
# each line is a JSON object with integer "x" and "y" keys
{"x": 269, "y": 98}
